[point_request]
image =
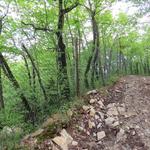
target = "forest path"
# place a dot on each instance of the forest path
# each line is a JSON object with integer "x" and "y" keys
{"x": 117, "y": 118}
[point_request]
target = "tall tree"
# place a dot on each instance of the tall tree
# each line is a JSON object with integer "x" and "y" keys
{"x": 94, "y": 61}
{"x": 63, "y": 80}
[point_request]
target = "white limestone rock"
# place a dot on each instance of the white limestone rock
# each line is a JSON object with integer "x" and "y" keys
{"x": 109, "y": 121}
{"x": 66, "y": 136}
{"x": 101, "y": 104}
{"x": 91, "y": 124}
{"x": 64, "y": 140}
{"x": 112, "y": 111}
{"x": 111, "y": 105}
{"x": 60, "y": 141}
{"x": 100, "y": 135}
{"x": 85, "y": 108}
{"x": 92, "y": 101}
{"x": 121, "y": 135}
{"x": 92, "y": 92}
{"x": 92, "y": 112}
{"x": 74, "y": 143}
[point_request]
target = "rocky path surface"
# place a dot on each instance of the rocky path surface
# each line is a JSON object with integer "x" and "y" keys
{"x": 117, "y": 118}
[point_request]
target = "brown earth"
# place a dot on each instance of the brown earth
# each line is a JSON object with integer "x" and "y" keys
{"x": 117, "y": 118}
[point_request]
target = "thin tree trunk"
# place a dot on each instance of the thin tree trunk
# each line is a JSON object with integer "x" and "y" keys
{"x": 148, "y": 66}
{"x": 131, "y": 66}
{"x": 1, "y": 84}
{"x": 28, "y": 70}
{"x": 16, "y": 85}
{"x": 93, "y": 59}
{"x": 37, "y": 72}
{"x": 77, "y": 66}
{"x": 1, "y": 88}
{"x": 87, "y": 71}
{"x": 72, "y": 70}
{"x": 96, "y": 50}
{"x": 33, "y": 79}
{"x": 105, "y": 55}
{"x": 110, "y": 62}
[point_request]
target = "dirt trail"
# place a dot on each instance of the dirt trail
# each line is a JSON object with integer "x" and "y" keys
{"x": 137, "y": 99}
{"x": 117, "y": 118}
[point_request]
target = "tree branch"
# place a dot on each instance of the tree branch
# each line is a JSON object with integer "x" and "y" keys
{"x": 88, "y": 9}
{"x": 37, "y": 28}
{"x": 67, "y": 10}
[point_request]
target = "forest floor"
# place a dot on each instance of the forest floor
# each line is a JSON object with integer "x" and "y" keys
{"x": 116, "y": 118}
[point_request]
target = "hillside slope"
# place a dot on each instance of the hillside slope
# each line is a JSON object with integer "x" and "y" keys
{"x": 117, "y": 118}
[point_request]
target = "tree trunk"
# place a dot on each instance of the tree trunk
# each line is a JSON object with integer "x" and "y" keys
{"x": 109, "y": 62}
{"x": 16, "y": 85}
{"x": 1, "y": 84}
{"x": 63, "y": 80}
{"x": 96, "y": 50}
{"x": 72, "y": 70}
{"x": 37, "y": 72}
{"x": 77, "y": 66}
{"x": 105, "y": 55}
{"x": 28, "y": 70}
{"x": 1, "y": 88}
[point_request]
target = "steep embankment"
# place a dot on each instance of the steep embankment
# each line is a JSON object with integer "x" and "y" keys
{"x": 117, "y": 118}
